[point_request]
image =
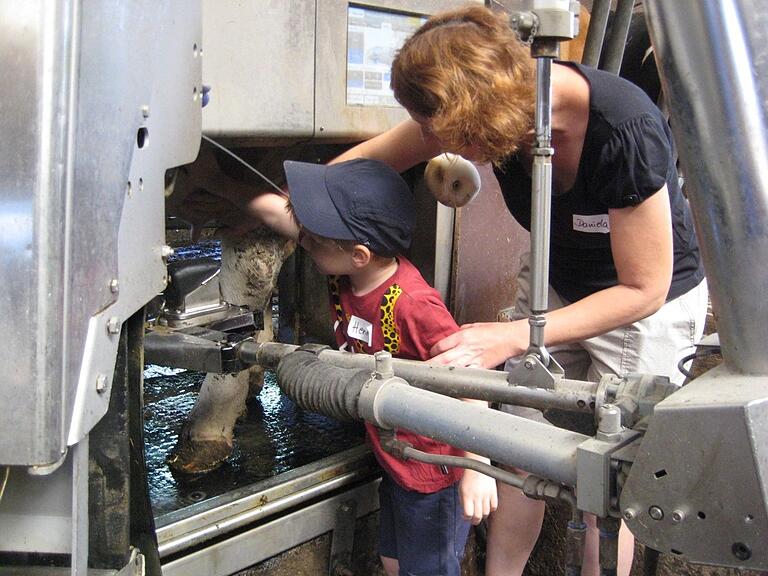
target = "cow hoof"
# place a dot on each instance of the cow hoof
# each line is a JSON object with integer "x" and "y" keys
{"x": 199, "y": 456}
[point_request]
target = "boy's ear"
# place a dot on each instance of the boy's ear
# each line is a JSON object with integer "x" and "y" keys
{"x": 361, "y": 255}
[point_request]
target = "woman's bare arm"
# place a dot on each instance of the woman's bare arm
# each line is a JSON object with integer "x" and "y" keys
{"x": 641, "y": 240}
{"x": 401, "y": 147}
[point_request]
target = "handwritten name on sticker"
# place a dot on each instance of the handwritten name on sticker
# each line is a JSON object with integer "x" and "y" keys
{"x": 360, "y": 329}
{"x": 596, "y": 223}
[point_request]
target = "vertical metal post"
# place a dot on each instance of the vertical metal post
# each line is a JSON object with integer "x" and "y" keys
{"x": 713, "y": 61}
{"x": 596, "y": 32}
{"x": 550, "y": 25}
{"x": 79, "y": 563}
{"x": 614, "y": 51}
{"x": 541, "y": 203}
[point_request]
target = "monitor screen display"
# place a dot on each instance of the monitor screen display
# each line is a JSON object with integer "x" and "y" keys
{"x": 373, "y": 38}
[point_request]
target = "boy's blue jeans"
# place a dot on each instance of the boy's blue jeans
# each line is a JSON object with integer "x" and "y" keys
{"x": 426, "y": 533}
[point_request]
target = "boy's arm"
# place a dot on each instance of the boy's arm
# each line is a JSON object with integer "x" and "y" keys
{"x": 479, "y": 496}
{"x": 265, "y": 207}
{"x": 425, "y": 320}
{"x": 271, "y": 208}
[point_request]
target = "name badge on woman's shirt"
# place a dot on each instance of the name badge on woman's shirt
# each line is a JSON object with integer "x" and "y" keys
{"x": 595, "y": 223}
{"x": 360, "y": 329}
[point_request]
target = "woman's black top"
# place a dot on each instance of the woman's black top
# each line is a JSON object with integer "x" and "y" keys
{"x": 627, "y": 156}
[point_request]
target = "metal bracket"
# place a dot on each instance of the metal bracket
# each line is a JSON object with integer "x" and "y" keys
{"x": 195, "y": 348}
{"x": 201, "y": 316}
{"x": 343, "y": 539}
{"x": 135, "y": 566}
{"x": 313, "y": 348}
{"x": 596, "y": 486}
{"x": 533, "y": 373}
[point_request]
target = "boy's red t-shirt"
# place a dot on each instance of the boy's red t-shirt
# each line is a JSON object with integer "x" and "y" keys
{"x": 409, "y": 313}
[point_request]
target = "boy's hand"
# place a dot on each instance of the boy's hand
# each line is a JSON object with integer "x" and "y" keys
{"x": 476, "y": 490}
{"x": 478, "y": 494}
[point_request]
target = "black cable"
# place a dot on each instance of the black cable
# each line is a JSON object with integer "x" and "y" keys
{"x": 698, "y": 354}
{"x": 462, "y": 462}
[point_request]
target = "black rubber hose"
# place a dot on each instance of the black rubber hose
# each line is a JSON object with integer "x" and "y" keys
{"x": 319, "y": 387}
{"x": 575, "y": 537}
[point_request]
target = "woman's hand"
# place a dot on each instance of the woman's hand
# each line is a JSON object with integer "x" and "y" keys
{"x": 482, "y": 345}
{"x": 478, "y": 494}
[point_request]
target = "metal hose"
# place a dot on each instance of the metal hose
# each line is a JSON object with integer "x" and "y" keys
{"x": 320, "y": 387}
{"x": 575, "y": 538}
{"x": 499, "y": 474}
{"x": 609, "y": 545}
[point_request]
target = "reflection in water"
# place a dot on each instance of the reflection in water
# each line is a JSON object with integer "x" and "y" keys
{"x": 203, "y": 249}
{"x": 275, "y": 436}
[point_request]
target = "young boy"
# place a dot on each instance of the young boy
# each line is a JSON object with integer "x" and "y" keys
{"x": 356, "y": 219}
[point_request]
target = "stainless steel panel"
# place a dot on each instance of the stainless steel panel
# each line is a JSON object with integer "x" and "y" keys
{"x": 248, "y": 548}
{"x": 259, "y": 62}
{"x": 138, "y": 114}
{"x": 698, "y": 484}
{"x": 713, "y": 59}
{"x": 36, "y": 511}
{"x": 35, "y": 53}
{"x": 205, "y": 521}
{"x": 334, "y": 119}
{"x": 105, "y": 97}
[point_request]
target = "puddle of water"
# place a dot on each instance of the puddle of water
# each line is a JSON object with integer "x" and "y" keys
{"x": 274, "y": 437}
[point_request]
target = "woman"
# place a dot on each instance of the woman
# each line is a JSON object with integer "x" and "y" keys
{"x": 627, "y": 286}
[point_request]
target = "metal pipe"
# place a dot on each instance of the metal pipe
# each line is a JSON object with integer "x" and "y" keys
{"x": 488, "y": 385}
{"x": 258, "y": 511}
{"x": 713, "y": 61}
{"x": 538, "y": 448}
{"x": 596, "y": 32}
{"x": 499, "y": 474}
{"x": 80, "y": 518}
{"x": 389, "y": 402}
{"x": 614, "y": 51}
{"x": 541, "y": 200}
{"x": 575, "y": 538}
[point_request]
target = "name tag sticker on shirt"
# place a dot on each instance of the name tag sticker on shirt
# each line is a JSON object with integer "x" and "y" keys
{"x": 360, "y": 329}
{"x": 595, "y": 223}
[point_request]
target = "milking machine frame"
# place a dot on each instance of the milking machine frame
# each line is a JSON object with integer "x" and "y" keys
{"x": 100, "y": 99}
{"x": 83, "y": 241}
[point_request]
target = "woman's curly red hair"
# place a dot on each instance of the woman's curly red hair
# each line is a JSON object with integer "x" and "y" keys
{"x": 467, "y": 72}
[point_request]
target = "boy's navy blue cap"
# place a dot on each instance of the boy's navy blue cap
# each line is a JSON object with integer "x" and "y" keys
{"x": 361, "y": 200}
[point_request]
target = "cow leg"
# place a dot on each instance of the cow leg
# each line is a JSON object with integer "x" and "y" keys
{"x": 250, "y": 265}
